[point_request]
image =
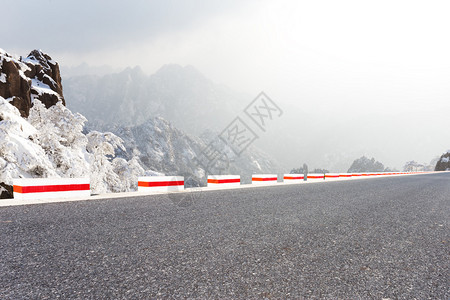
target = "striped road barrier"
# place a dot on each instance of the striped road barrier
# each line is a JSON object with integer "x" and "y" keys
{"x": 224, "y": 180}
{"x": 316, "y": 176}
{"x": 51, "y": 188}
{"x": 160, "y": 184}
{"x": 345, "y": 175}
{"x": 331, "y": 176}
{"x": 293, "y": 178}
{"x": 264, "y": 178}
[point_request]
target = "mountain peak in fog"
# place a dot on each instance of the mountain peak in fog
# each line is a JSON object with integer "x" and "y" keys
{"x": 182, "y": 95}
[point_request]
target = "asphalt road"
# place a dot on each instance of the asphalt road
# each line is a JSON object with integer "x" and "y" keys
{"x": 364, "y": 239}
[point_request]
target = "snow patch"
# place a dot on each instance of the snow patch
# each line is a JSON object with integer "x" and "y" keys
{"x": 257, "y": 165}
{"x": 60, "y": 149}
{"x": 41, "y": 87}
{"x": 445, "y": 159}
{"x": 2, "y": 77}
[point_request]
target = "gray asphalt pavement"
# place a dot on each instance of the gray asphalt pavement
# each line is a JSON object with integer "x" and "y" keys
{"x": 365, "y": 239}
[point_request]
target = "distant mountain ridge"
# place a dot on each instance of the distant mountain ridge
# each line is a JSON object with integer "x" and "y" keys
{"x": 162, "y": 147}
{"x": 181, "y": 95}
{"x": 166, "y": 119}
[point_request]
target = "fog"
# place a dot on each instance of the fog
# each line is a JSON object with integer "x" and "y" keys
{"x": 352, "y": 78}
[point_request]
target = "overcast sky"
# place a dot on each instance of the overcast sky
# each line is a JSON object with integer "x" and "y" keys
{"x": 388, "y": 60}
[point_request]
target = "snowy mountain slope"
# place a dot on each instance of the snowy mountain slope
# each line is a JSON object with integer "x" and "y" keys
{"x": 40, "y": 137}
{"x": 162, "y": 147}
{"x": 161, "y": 116}
{"x": 50, "y": 143}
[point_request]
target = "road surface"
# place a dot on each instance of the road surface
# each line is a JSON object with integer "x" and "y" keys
{"x": 369, "y": 239}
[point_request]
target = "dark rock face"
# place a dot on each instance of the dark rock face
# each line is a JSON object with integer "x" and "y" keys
{"x": 444, "y": 162}
{"x": 35, "y": 77}
{"x": 6, "y": 191}
{"x": 44, "y": 69}
{"x": 15, "y": 86}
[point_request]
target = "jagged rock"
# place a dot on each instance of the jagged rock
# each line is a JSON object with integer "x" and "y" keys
{"x": 444, "y": 162}
{"x": 35, "y": 77}
{"x": 14, "y": 84}
{"x": 6, "y": 191}
{"x": 43, "y": 68}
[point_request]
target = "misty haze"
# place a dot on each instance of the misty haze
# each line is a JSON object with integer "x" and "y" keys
{"x": 118, "y": 95}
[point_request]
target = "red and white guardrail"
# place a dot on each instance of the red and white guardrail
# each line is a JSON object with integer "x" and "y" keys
{"x": 331, "y": 176}
{"x": 293, "y": 178}
{"x": 264, "y": 178}
{"x": 51, "y": 188}
{"x": 223, "y": 180}
{"x": 160, "y": 184}
{"x": 315, "y": 176}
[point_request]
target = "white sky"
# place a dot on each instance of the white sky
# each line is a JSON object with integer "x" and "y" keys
{"x": 338, "y": 60}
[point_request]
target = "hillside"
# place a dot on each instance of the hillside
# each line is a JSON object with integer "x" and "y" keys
{"x": 40, "y": 137}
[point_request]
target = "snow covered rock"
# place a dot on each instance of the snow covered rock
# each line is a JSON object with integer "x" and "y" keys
{"x": 19, "y": 155}
{"x": 24, "y": 80}
{"x": 51, "y": 143}
{"x": 444, "y": 162}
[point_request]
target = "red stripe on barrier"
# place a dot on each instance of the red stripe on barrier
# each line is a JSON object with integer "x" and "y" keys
{"x": 349, "y": 175}
{"x": 264, "y": 179}
{"x": 51, "y": 188}
{"x": 235, "y": 180}
{"x": 159, "y": 183}
{"x": 315, "y": 177}
{"x": 293, "y": 178}
{"x": 331, "y": 176}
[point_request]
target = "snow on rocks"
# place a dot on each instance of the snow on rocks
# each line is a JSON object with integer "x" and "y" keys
{"x": 51, "y": 143}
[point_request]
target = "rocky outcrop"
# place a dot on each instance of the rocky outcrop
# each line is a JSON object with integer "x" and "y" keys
{"x": 444, "y": 162}
{"x": 14, "y": 85}
{"x": 46, "y": 71}
{"x": 24, "y": 79}
{"x": 6, "y": 191}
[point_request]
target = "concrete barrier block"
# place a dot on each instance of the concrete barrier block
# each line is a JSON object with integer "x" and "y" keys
{"x": 160, "y": 184}
{"x": 224, "y": 180}
{"x": 51, "y": 188}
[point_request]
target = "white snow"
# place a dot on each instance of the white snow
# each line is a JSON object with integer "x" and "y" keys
{"x": 257, "y": 164}
{"x": 445, "y": 159}
{"x": 42, "y": 88}
{"x": 51, "y": 144}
